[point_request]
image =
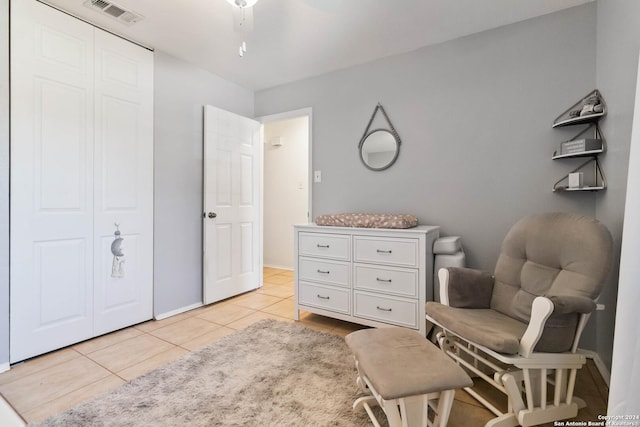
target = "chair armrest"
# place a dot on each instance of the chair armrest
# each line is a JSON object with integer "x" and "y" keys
{"x": 542, "y": 308}
{"x": 465, "y": 287}
{"x": 540, "y": 311}
{"x": 564, "y": 304}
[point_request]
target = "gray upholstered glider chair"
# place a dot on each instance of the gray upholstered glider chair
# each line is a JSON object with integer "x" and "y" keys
{"x": 519, "y": 328}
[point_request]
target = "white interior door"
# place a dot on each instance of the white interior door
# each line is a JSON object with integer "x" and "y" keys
{"x": 232, "y": 220}
{"x": 52, "y": 126}
{"x": 123, "y": 185}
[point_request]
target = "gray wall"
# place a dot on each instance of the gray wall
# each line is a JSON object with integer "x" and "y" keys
{"x": 618, "y": 44}
{"x": 474, "y": 115}
{"x": 4, "y": 181}
{"x": 181, "y": 90}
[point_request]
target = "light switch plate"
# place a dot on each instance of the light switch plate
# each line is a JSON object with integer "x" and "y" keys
{"x": 317, "y": 176}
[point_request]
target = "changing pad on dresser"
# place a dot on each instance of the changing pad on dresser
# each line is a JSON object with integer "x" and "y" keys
{"x": 367, "y": 220}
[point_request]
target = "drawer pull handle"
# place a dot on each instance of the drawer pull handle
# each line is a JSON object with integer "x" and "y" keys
{"x": 382, "y": 309}
{"x": 383, "y": 280}
{"x": 380, "y": 251}
{"x": 321, "y": 297}
{"x": 323, "y": 272}
{"x": 322, "y": 246}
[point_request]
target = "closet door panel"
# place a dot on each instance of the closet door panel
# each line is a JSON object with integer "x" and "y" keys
{"x": 60, "y": 150}
{"x": 123, "y": 182}
{"x": 52, "y": 129}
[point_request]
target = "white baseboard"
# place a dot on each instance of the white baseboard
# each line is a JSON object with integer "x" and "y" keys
{"x": 602, "y": 368}
{"x": 279, "y": 267}
{"x": 177, "y": 311}
{"x": 4, "y": 367}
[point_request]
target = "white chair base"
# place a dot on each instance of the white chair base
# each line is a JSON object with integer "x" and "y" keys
{"x": 515, "y": 376}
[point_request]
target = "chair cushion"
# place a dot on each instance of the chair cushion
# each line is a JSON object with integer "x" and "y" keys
{"x": 502, "y": 333}
{"x": 400, "y": 362}
{"x": 469, "y": 288}
{"x": 485, "y": 327}
{"x": 547, "y": 255}
{"x": 552, "y": 254}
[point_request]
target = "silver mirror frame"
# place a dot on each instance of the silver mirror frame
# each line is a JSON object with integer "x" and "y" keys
{"x": 395, "y": 156}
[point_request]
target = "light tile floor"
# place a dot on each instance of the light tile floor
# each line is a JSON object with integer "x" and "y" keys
{"x": 59, "y": 380}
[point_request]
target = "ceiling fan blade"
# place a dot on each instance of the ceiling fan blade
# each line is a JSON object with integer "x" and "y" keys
{"x": 242, "y": 19}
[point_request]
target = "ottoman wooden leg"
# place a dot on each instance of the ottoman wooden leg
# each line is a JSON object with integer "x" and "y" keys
{"x": 444, "y": 408}
{"x": 414, "y": 409}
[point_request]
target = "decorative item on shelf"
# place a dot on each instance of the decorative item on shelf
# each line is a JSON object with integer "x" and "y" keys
{"x": 576, "y": 179}
{"x": 578, "y": 147}
{"x": 379, "y": 148}
{"x": 588, "y": 110}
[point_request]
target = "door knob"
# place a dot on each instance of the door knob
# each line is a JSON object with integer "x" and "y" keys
{"x": 212, "y": 215}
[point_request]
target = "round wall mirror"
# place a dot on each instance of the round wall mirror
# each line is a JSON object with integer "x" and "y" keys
{"x": 379, "y": 149}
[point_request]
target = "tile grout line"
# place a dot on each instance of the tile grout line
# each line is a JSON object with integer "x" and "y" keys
{"x": 72, "y": 391}
{"x": 120, "y": 342}
{"x": 24, "y": 362}
{"x": 179, "y": 345}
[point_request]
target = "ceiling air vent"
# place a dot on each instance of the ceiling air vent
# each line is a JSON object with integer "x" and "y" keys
{"x": 114, "y": 11}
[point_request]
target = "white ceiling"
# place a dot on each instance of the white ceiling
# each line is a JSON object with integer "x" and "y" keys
{"x": 295, "y": 39}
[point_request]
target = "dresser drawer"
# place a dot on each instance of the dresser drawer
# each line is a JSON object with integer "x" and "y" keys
{"x": 326, "y": 297}
{"x": 386, "y": 309}
{"x": 379, "y": 250}
{"x": 325, "y": 271}
{"x": 390, "y": 280}
{"x": 334, "y": 246}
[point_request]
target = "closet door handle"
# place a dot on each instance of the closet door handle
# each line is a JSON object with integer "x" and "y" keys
{"x": 212, "y": 215}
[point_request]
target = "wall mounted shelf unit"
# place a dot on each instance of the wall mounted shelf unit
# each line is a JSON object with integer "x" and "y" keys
{"x": 593, "y": 108}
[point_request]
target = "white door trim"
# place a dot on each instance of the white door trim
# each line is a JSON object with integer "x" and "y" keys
{"x": 302, "y": 112}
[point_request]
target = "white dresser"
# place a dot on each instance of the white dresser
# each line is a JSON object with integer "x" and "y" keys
{"x": 374, "y": 277}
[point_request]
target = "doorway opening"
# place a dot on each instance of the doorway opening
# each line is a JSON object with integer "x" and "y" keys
{"x": 286, "y": 183}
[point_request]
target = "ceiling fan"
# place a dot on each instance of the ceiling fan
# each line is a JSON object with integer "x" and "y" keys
{"x": 242, "y": 15}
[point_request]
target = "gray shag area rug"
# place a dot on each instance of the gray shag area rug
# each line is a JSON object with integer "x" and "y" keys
{"x": 269, "y": 374}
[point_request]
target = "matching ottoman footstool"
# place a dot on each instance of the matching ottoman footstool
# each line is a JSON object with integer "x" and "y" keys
{"x": 405, "y": 375}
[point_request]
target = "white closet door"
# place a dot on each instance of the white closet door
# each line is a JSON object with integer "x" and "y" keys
{"x": 52, "y": 129}
{"x": 232, "y": 174}
{"x": 123, "y": 182}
